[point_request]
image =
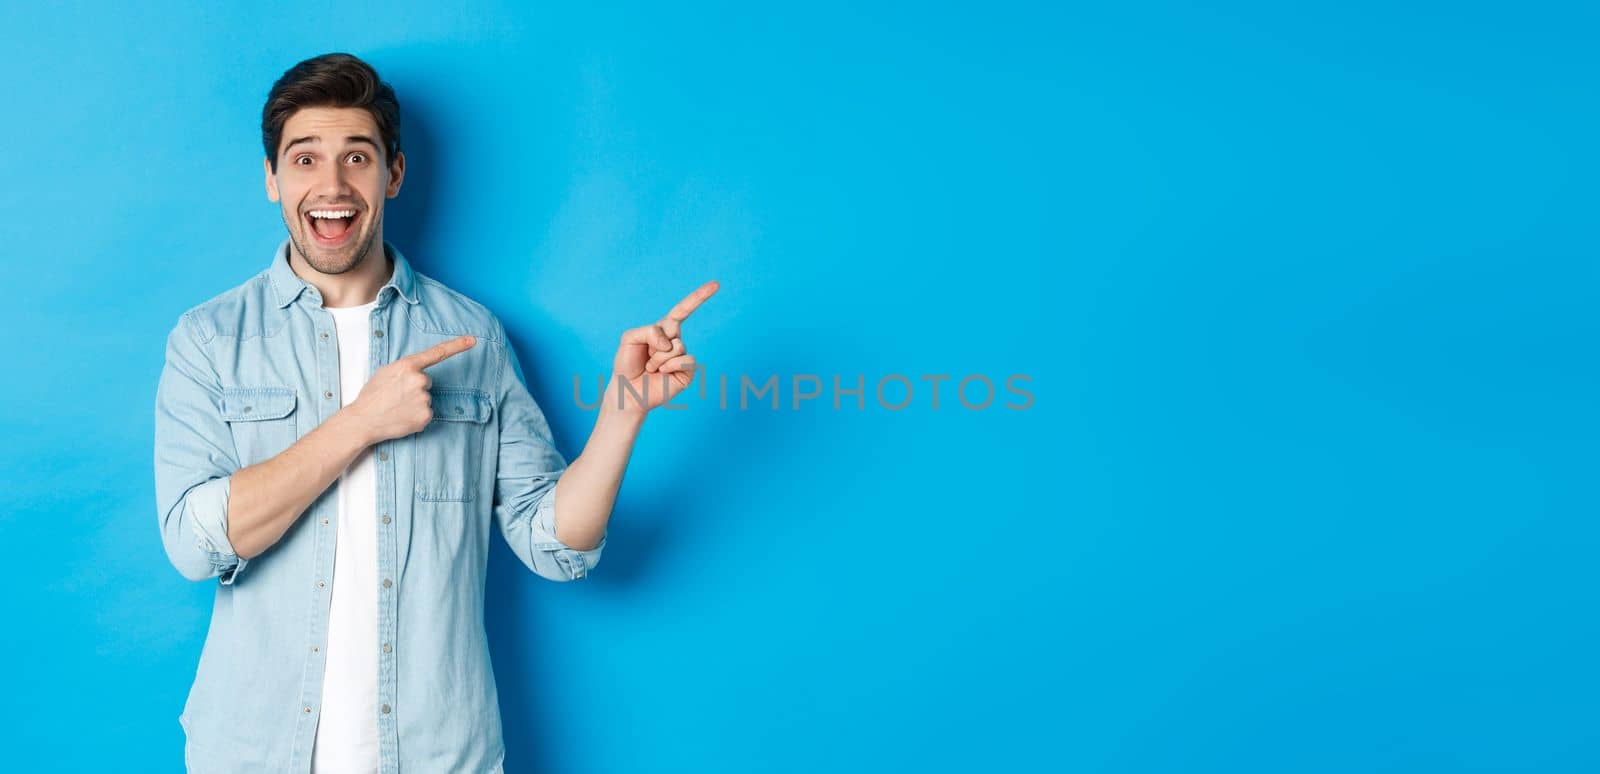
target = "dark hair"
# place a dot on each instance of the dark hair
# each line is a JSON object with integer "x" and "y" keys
{"x": 330, "y": 80}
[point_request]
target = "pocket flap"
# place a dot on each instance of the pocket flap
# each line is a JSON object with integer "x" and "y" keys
{"x": 458, "y": 404}
{"x": 243, "y": 404}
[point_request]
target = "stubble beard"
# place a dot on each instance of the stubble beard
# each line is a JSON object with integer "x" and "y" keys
{"x": 334, "y": 268}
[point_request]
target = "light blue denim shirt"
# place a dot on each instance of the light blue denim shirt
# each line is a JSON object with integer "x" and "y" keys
{"x": 247, "y": 374}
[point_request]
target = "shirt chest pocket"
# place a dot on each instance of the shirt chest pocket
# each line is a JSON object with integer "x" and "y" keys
{"x": 261, "y": 420}
{"x": 447, "y": 454}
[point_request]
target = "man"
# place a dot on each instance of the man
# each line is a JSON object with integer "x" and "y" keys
{"x": 333, "y": 438}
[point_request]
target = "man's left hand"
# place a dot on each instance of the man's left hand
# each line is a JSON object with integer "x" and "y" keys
{"x": 652, "y": 364}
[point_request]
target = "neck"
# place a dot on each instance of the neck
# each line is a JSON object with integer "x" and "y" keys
{"x": 355, "y": 287}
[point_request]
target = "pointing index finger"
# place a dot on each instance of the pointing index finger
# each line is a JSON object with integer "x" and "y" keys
{"x": 682, "y": 309}
{"x": 437, "y": 353}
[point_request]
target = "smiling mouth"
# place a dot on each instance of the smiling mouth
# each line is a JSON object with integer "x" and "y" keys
{"x": 332, "y": 225}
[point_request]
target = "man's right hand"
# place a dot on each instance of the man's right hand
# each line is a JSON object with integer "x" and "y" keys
{"x": 395, "y": 402}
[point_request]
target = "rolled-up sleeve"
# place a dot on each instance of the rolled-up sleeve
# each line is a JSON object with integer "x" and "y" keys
{"x": 525, "y": 480}
{"x": 194, "y": 461}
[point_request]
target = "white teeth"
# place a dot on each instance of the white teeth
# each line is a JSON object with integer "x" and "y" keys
{"x": 332, "y": 213}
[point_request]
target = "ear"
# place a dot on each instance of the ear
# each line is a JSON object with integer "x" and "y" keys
{"x": 272, "y": 180}
{"x": 397, "y": 174}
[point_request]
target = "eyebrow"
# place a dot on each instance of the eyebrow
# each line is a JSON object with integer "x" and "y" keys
{"x": 313, "y": 139}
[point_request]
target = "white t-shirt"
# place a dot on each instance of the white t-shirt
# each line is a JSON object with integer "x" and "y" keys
{"x": 347, "y": 730}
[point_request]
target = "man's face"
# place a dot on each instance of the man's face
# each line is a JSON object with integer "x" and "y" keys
{"x": 331, "y": 184}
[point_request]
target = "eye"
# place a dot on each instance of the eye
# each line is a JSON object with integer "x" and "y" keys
{"x": 358, "y": 157}
{"x": 299, "y": 159}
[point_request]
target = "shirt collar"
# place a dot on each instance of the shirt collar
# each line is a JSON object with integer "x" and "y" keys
{"x": 288, "y": 286}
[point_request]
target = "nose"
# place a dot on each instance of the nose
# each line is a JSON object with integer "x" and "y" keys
{"x": 331, "y": 184}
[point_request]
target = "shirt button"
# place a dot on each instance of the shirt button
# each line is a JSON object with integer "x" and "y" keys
{"x": 386, "y": 583}
{"x": 324, "y": 520}
{"x": 308, "y": 709}
{"x": 314, "y": 649}
{"x": 383, "y": 455}
{"x": 385, "y": 709}
{"x": 386, "y": 518}
{"x": 324, "y": 335}
{"x": 386, "y": 648}
{"x": 247, "y": 409}
{"x": 377, "y": 334}
{"x": 327, "y": 394}
{"x": 319, "y": 584}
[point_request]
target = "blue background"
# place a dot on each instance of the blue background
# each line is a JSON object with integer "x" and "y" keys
{"x": 1306, "y": 297}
